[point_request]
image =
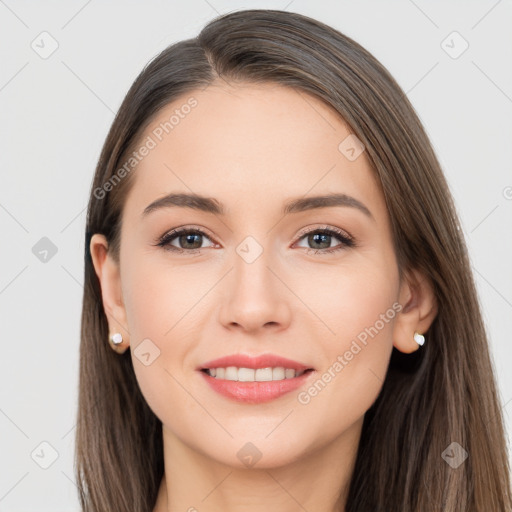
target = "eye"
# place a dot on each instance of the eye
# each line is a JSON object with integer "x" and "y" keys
{"x": 189, "y": 240}
{"x": 321, "y": 239}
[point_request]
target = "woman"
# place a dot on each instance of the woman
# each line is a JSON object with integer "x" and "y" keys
{"x": 271, "y": 236}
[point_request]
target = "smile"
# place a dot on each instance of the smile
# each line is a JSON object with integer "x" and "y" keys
{"x": 254, "y": 379}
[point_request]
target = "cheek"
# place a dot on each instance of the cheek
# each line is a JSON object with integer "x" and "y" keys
{"x": 366, "y": 311}
{"x": 361, "y": 312}
{"x": 165, "y": 316}
{"x": 153, "y": 309}
{"x": 364, "y": 329}
{"x": 159, "y": 295}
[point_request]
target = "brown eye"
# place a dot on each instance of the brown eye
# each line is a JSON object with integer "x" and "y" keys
{"x": 319, "y": 240}
{"x": 188, "y": 240}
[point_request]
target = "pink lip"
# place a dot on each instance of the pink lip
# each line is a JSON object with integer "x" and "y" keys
{"x": 261, "y": 361}
{"x": 254, "y": 392}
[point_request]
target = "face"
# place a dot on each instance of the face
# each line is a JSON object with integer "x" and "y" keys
{"x": 316, "y": 285}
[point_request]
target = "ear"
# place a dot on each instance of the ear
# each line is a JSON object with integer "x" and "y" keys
{"x": 419, "y": 304}
{"x": 108, "y": 273}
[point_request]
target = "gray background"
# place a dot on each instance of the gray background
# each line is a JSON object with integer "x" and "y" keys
{"x": 55, "y": 113}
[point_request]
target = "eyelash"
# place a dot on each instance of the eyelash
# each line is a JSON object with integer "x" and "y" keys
{"x": 347, "y": 241}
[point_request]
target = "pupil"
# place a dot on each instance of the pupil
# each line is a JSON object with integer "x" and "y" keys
{"x": 320, "y": 235}
{"x": 189, "y": 238}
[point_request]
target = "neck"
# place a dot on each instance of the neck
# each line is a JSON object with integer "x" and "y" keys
{"x": 316, "y": 482}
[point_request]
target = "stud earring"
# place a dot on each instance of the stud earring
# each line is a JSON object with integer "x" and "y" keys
{"x": 115, "y": 341}
{"x": 117, "y": 338}
{"x": 419, "y": 338}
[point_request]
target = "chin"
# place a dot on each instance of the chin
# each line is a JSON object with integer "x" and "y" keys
{"x": 259, "y": 451}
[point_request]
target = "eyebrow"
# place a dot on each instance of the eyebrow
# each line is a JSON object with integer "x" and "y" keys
{"x": 211, "y": 205}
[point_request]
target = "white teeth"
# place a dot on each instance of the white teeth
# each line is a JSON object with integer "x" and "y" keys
{"x": 278, "y": 373}
{"x": 246, "y": 374}
{"x": 289, "y": 374}
{"x": 263, "y": 374}
{"x": 252, "y": 375}
{"x": 231, "y": 373}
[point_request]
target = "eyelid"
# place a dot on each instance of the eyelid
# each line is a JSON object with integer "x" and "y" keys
{"x": 324, "y": 227}
{"x": 187, "y": 228}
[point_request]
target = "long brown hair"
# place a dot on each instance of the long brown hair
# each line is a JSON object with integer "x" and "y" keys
{"x": 444, "y": 393}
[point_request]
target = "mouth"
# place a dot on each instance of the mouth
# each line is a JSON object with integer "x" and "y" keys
{"x": 233, "y": 373}
{"x": 254, "y": 380}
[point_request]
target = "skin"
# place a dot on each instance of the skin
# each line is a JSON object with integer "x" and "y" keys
{"x": 254, "y": 147}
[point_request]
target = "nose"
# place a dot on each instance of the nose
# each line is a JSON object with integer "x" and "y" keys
{"x": 256, "y": 297}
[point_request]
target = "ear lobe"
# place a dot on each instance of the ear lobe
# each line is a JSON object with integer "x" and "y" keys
{"x": 109, "y": 277}
{"x": 419, "y": 303}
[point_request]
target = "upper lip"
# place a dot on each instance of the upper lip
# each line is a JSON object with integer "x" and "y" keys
{"x": 255, "y": 362}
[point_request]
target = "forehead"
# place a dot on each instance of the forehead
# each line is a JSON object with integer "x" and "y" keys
{"x": 247, "y": 144}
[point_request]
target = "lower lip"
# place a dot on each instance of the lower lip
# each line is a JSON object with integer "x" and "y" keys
{"x": 255, "y": 392}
